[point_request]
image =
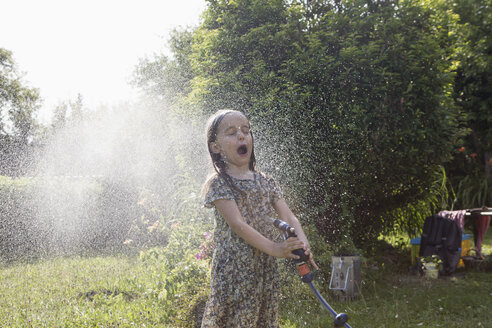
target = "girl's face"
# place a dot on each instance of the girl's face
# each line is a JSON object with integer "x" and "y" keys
{"x": 234, "y": 141}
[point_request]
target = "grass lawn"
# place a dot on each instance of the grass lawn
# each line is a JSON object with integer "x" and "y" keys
{"x": 120, "y": 292}
{"x": 78, "y": 292}
{"x": 391, "y": 297}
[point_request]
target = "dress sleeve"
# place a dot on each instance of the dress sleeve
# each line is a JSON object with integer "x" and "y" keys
{"x": 217, "y": 189}
{"x": 275, "y": 192}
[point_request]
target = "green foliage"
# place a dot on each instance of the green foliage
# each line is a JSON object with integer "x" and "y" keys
{"x": 410, "y": 217}
{"x": 370, "y": 113}
{"x": 180, "y": 277}
{"x": 18, "y": 106}
{"x": 18, "y": 103}
{"x": 168, "y": 80}
{"x": 356, "y": 105}
{"x": 149, "y": 228}
{"x": 353, "y": 97}
{"x": 471, "y": 168}
{"x": 475, "y": 191}
{"x": 67, "y": 113}
{"x": 473, "y": 84}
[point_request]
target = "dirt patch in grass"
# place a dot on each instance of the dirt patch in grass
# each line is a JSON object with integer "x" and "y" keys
{"x": 90, "y": 295}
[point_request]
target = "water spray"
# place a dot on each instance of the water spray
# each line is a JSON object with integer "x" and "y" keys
{"x": 307, "y": 276}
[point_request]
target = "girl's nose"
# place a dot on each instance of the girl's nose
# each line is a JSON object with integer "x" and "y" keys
{"x": 241, "y": 135}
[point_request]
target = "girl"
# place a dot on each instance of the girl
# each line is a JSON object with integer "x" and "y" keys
{"x": 244, "y": 285}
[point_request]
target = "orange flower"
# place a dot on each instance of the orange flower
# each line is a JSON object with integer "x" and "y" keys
{"x": 153, "y": 226}
{"x": 490, "y": 161}
{"x": 473, "y": 155}
{"x": 462, "y": 149}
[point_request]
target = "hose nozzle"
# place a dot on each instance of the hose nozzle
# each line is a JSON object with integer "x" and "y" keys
{"x": 285, "y": 227}
{"x": 302, "y": 266}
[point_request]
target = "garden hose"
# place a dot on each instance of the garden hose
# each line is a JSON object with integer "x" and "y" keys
{"x": 340, "y": 318}
{"x": 306, "y": 275}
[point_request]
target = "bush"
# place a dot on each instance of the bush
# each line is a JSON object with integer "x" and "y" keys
{"x": 181, "y": 279}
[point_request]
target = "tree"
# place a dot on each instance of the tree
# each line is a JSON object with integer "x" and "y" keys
{"x": 168, "y": 80}
{"x": 18, "y": 105}
{"x": 349, "y": 100}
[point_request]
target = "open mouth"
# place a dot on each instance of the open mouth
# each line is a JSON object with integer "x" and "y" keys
{"x": 242, "y": 150}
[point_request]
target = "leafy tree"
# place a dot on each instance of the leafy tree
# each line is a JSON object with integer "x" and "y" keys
{"x": 72, "y": 112}
{"x": 350, "y": 100}
{"x": 18, "y": 105}
{"x": 168, "y": 80}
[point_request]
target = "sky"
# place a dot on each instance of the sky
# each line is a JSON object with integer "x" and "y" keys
{"x": 88, "y": 47}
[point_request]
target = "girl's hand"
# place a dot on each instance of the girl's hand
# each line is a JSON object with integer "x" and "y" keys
{"x": 284, "y": 249}
{"x": 307, "y": 251}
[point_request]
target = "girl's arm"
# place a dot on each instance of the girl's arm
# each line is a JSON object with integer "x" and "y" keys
{"x": 230, "y": 212}
{"x": 286, "y": 214}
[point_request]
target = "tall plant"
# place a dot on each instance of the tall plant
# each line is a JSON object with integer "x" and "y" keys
{"x": 471, "y": 169}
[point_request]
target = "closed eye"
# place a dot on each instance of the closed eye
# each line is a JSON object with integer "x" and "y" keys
{"x": 246, "y": 130}
{"x": 233, "y": 130}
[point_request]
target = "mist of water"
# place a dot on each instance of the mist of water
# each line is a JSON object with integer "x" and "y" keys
{"x": 106, "y": 177}
{"x": 96, "y": 173}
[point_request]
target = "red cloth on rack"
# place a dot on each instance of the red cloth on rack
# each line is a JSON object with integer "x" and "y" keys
{"x": 482, "y": 224}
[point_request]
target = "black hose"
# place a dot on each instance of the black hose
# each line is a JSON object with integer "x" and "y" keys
{"x": 340, "y": 319}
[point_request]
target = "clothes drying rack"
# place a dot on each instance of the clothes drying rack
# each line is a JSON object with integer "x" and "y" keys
{"x": 480, "y": 211}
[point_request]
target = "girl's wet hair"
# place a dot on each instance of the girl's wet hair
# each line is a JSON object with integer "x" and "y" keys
{"x": 218, "y": 162}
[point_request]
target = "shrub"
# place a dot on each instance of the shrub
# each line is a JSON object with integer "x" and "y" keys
{"x": 181, "y": 280}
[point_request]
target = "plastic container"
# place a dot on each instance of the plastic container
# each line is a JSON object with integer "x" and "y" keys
{"x": 345, "y": 282}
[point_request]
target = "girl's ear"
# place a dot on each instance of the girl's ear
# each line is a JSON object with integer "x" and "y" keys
{"x": 215, "y": 148}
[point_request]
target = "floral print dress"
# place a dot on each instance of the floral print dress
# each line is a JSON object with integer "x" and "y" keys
{"x": 244, "y": 280}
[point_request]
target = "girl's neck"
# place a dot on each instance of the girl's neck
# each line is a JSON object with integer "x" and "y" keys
{"x": 240, "y": 173}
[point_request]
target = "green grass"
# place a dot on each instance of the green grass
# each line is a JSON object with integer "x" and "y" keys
{"x": 79, "y": 292}
{"x": 487, "y": 242}
{"x": 404, "y": 301}
{"x": 391, "y": 297}
{"x": 120, "y": 291}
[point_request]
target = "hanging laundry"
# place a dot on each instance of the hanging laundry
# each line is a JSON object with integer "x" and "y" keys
{"x": 482, "y": 223}
{"x": 457, "y": 216}
{"x": 441, "y": 236}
